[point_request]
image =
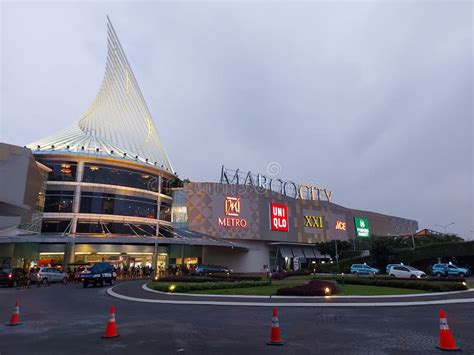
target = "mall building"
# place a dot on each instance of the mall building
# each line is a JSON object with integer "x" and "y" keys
{"x": 104, "y": 189}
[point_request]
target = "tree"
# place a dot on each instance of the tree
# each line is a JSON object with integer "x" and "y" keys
{"x": 381, "y": 251}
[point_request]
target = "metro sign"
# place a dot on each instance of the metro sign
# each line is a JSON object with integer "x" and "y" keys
{"x": 278, "y": 217}
{"x": 232, "y": 206}
{"x": 232, "y": 211}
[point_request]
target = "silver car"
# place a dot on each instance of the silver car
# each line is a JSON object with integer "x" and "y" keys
{"x": 49, "y": 274}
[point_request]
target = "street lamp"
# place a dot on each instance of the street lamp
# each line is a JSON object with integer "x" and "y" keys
{"x": 445, "y": 226}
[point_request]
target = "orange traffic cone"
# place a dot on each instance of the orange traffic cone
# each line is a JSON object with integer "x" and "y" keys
{"x": 275, "y": 335}
{"x": 15, "y": 318}
{"x": 111, "y": 329}
{"x": 446, "y": 339}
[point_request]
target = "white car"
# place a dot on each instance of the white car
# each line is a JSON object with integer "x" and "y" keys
{"x": 406, "y": 272}
{"x": 49, "y": 274}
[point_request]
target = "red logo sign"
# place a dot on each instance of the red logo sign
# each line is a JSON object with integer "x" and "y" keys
{"x": 278, "y": 217}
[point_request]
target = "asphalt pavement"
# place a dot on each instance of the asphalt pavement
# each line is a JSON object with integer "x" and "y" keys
{"x": 71, "y": 320}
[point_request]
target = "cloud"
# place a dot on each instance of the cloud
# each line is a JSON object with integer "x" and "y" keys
{"x": 373, "y": 100}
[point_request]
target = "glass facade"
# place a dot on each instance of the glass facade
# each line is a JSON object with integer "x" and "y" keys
{"x": 165, "y": 211}
{"x": 58, "y": 201}
{"x": 61, "y": 170}
{"x": 167, "y": 186}
{"x": 115, "y": 228}
{"x": 104, "y": 174}
{"x": 50, "y": 226}
{"x": 179, "y": 211}
{"x": 114, "y": 204}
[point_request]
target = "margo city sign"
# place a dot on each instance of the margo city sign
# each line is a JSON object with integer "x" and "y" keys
{"x": 287, "y": 188}
{"x": 232, "y": 211}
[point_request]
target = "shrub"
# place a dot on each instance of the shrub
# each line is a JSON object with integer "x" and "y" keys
{"x": 195, "y": 286}
{"x": 313, "y": 288}
{"x": 185, "y": 279}
{"x": 235, "y": 277}
{"x": 210, "y": 278}
{"x": 435, "y": 286}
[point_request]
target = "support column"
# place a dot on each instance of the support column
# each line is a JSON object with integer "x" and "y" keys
{"x": 154, "y": 261}
{"x": 77, "y": 196}
{"x": 68, "y": 255}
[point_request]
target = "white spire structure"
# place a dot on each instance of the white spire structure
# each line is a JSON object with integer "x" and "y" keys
{"x": 117, "y": 123}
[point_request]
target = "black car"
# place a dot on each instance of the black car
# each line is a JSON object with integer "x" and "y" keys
{"x": 13, "y": 277}
{"x": 201, "y": 270}
{"x": 98, "y": 274}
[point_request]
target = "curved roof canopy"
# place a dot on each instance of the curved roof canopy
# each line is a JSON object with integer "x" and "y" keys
{"x": 117, "y": 123}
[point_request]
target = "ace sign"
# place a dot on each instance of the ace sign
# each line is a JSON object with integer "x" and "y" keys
{"x": 278, "y": 217}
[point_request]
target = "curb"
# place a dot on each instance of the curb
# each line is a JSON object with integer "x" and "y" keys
{"x": 146, "y": 288}
{"x": 112, "y": 293}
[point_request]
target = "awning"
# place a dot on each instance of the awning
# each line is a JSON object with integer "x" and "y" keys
{"x": 297, "y": 252}
{"x": 318, "y": 254}
{"x": 308, "y": 252}
{"x": 286, "y": 252}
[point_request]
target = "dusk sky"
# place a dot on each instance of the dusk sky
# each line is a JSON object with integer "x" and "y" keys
{"x": 372, "y": 100}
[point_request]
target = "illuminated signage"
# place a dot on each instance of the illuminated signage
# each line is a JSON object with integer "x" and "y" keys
{"x": 287, "y": 188}
{"x": 232, "y": 210}
{"x": 340, "y": 225}
{"x": 313, "y": 221}
{"x": 278, "y": 217}
{"x": 232, "y": 206}
{"x": 362, "y": 227}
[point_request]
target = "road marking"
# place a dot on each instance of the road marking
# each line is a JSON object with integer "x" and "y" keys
{"x": 112, "y": 293}
{"x": 146, "y": 288}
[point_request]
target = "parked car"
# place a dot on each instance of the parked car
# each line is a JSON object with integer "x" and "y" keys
{"x": 98, "y": 274}
{"x": 13, "y": 277}
{"x": 406, "y": 272}
{"x": 201, "y": 270}
{"x": 389, "y": 266}
{"x": 363, "y": 269}
{"x": 449, "y": 269}
{"x": 49, "y": 274}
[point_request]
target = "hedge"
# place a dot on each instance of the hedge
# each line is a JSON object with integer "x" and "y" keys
{"x": 191, "y": 286}
{"x": 284, "y": 275}
{"x": 435, "y": 286}
{"x": 210, "y": 278}
{"x": 313, "y": 288}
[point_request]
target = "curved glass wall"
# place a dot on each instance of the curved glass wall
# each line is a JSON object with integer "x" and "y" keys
{"x": 106, "y": 203}
{"x": 105, "y": 174}
{"x": 165, "y": 211}
{"x": 58, "y": 201}
{"x": 115, "y": 228}
{"x": 50, "y": 226}
{"x": 60, "y": 170}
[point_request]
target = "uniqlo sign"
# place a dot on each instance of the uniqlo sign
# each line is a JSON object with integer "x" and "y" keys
{"x": 278, "y": 217}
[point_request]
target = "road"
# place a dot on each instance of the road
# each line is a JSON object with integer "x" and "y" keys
{"x": 71, "y": 320}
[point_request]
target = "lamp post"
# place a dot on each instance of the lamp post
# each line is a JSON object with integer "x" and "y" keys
{"x": 445, "y": 226}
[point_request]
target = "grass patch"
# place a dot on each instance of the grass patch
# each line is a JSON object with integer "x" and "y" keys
{"x": 254, "y": 291}
{"x": 300, "y": 277}
{"x": 179, "y": 287}
{"x": 362, "y": 290}
{"x": 344, "y": 290}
